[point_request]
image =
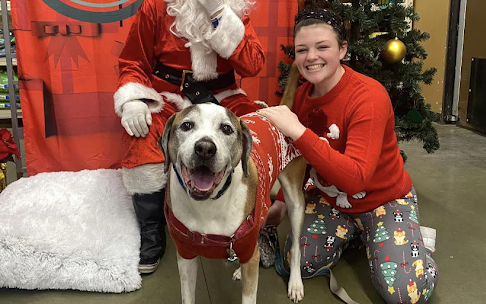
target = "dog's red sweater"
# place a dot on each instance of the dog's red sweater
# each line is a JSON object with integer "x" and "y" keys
{"x": 271, "y": 153}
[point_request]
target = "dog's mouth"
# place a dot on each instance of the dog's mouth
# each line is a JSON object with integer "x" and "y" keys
{"x": 201, "y": 181}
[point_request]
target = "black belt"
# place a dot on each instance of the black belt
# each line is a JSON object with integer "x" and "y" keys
{"x": 196, "y": 91}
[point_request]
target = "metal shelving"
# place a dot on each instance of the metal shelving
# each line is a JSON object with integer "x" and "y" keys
{"x": 10, "y": 61}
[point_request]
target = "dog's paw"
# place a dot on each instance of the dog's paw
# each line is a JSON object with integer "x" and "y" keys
{"x": 237, "y": 274}
{"x": 360, "y": 195}
{"x": 342, "y": 201}
{"x": 296, "y": 290}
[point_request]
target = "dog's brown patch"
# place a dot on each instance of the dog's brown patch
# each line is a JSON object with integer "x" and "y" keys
{"x": 249, "y": 274}
{"x": 295, "y": 170}
{"x": 252, "y": 183}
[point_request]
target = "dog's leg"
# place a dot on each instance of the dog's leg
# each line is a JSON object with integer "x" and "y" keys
{"x": 188, "y": 276}
{"x": 249, "y": 278}
{"x": 291, "y": 180}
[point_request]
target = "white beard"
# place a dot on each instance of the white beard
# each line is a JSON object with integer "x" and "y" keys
{"x": 193, "y": 24}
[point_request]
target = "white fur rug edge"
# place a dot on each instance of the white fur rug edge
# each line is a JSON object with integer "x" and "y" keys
{"x": 69, "y": 230}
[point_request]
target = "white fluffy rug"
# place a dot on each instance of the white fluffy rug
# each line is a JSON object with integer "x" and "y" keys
{"x": 69, "y": 230}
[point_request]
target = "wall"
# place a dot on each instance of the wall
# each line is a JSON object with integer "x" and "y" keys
{"x": 474, "y": 46}
{"x": 434, "y": 19}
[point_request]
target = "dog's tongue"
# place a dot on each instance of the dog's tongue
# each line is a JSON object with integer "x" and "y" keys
{"x": 203, "y": 178}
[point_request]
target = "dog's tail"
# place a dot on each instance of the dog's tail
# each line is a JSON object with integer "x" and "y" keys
{"x": 290, "y": 87}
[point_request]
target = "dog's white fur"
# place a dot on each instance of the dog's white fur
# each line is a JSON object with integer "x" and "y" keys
{"x": 205, "y": 216}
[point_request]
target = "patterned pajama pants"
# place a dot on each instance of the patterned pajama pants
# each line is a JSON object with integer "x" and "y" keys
{"x": 402, "y": 269}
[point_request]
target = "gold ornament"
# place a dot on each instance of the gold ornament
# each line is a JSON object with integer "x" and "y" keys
{"x": 3, "y": 176}
{"x": 376, "y": 34}
{"x": 394, "y": 51}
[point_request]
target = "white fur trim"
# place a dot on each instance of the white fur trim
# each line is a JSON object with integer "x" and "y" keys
{"x": 136, "y": 91}
{"x": 181, "y": 102}
{"x": 228, "y": 35}
{"x": 144, "y": 179}
{"x": 225, "y": 94}
{"x": 204, "y": 62}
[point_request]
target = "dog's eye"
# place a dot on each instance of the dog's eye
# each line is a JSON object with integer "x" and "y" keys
{"x": 186, "y": 126}
{"x": 227, "y": 129}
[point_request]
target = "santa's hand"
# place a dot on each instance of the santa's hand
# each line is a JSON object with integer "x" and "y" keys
{"x": 214, "y": 7}
{"x": 136, "y": 118}
{"x": 285, "y": 120}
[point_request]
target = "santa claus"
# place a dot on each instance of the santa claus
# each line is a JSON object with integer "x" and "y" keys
{"x": 177, "y": 52}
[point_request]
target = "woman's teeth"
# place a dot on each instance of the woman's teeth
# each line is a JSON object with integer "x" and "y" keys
{"x": 315, "y": 66}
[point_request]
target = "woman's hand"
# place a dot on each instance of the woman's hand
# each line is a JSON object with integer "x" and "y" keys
{"x": 285, "y": 120}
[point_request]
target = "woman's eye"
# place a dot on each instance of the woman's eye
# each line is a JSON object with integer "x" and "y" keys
{"x": 323, "y": 47}
{"x": 227, "y": 129}
{"x": 300, "y": 51}
{"x": 186, "y": 126}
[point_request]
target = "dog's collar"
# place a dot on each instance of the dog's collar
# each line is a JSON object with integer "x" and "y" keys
{"x": 220, "y": 193}
{"x": 179, "y": 178}
{"x": 225, "y": 187}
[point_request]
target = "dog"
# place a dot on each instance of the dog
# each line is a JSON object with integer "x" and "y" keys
{"x": 218, "y": 191}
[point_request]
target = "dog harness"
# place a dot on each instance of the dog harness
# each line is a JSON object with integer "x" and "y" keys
{"x": 271, "y": 153}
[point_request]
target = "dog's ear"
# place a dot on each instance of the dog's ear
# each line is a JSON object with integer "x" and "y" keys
{"x": 164, "y": 142}
{"x": 247, "y": 141}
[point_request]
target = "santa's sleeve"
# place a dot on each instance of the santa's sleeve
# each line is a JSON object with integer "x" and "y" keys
{"x": 235, "y": 39}
{"x": 136, "y": 61}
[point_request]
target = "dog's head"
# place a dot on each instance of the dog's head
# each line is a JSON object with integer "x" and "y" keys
{"x": 205, "y": 143}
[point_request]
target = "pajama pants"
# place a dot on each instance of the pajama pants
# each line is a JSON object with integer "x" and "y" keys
{"x": 402, "y": 269}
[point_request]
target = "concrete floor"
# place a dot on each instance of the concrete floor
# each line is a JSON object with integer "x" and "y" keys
{"x": 451, "y": 187}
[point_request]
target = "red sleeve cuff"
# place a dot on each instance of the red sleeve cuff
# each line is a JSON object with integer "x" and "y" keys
{"x": 306, "y": 142}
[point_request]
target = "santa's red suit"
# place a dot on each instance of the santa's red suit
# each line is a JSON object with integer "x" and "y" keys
{"x": 179, "y": 35}
{"x": 234, "y": 45}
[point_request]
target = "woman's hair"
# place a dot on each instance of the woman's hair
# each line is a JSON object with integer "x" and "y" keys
{"x": 313, "y": 16}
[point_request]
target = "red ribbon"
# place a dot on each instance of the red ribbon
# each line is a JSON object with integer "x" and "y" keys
{"x": 71, "y": 44}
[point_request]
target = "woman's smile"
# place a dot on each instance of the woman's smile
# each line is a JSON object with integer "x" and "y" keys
{"x": 315, "y": 67}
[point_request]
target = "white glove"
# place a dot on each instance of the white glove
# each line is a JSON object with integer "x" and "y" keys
{"x": 212, "y": 6}
{"x": 136, "y": 118}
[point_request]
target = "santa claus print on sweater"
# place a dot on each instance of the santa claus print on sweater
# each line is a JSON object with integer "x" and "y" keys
{"x": 317, "y": 122}
{"x": 332, "y": 191}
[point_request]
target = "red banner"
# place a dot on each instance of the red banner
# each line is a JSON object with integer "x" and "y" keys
{"x": 67, "y": 56}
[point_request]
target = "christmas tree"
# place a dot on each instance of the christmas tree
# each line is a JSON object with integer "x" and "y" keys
{"x": 413, "y": 215}
{"x": 318, "y": 226}
{"x": 381, "y": 234}
{"x": 382, "y": 45}
{"x": 389, "y": 272}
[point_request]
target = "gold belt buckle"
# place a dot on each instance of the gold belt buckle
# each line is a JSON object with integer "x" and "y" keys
{"x": 184, "y": 72}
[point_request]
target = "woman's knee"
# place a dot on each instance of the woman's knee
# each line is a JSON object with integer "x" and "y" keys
{"x": 407, "y": 283}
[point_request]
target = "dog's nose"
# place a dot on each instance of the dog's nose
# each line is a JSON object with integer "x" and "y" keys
{"x": 205, "y": 148}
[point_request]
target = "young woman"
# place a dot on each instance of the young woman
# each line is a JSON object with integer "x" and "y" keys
{"x": 343, "y": 123}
